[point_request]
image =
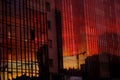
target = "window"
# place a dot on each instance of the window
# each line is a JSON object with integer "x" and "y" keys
{"x": 49, "y": 24}
{"x": 50, "y": 43}
{"x": 48, "y": 6}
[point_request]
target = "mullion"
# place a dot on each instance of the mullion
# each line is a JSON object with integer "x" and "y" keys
{"x": 30, "y": 42}
{"x": 16, "y": 37}
{"x": 20, "y": 38}
{"x": 36, "y": 35}
{"x": 11, "y": 50}
{"x": 26, "y": 63}
{"x": 44, "y": 32}
{"x": 10, "y": 38}
{"x": 27, "y": 38}
{"x": 37, "y": 15}
{"x": 2, "y": 34}
{"x": 38, "y": 27}
{"x": 6, "y": 39}
{"x": 40, "y": 7}
{"x": 3, "y": 14}
{"x": 24, "y": 54}
{"x": 34, "y": 29}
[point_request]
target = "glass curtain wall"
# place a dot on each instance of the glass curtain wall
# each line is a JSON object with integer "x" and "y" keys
{"x": 90, "y": 27}
{"x": 73, "y": 32}
{"x": 23, "y": 32}
{"x": 102, "y": 30}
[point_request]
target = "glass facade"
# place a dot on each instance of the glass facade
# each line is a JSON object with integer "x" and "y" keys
{"x": 23, "y": 32}
{"x": 102, "y": 29}
{"x": 84, "y": 31}
{"x": 73, "y": 32}
{"x": 90, "y": 26}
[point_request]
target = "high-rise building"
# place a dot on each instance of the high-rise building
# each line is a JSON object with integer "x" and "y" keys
{"x": 102, "y": 66}
{"x": 28, "y": 42}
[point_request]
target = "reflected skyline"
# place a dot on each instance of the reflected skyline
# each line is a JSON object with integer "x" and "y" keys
{"x": 23, "y": 30}
{"x": 90, "y": 26}
{"x": 83, "y": 22}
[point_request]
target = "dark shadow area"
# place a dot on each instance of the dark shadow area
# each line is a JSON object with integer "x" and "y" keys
{"x": 104, "y": 66}
{"x": 42, "y": 57}
{"x": 24, "y": 77}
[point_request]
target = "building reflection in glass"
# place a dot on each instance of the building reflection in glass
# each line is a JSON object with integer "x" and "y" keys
{"x": 23, "y": 32}
{"x": 83, "y": 22}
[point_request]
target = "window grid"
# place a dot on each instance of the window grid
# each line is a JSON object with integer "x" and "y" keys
{"x": 20, "y": 51}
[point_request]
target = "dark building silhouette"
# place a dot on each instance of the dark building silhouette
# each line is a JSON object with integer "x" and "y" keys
{"x": 104, "y": 66}
{"x": 58, "y": 18}
{"x": 42, "y": 57}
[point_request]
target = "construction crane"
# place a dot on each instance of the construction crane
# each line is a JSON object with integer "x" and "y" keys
{"x": 77, "y": 57}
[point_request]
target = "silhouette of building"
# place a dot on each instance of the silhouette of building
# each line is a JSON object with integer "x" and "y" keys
{"x": 103, "y": 66}
{"x": 58, "y": 19}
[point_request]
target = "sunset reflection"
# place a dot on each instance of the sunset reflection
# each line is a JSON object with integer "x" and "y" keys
{"x": 24, "y": 32}
{"x": 40, "y": 38}
{"x": 91, "y": 26}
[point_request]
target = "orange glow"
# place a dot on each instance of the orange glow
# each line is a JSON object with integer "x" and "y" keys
{"x": 72, "y": 29}
{"x": 89, "y": 26}
{"x": 20, "y": 50}
{"x": 93, "y": 26}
